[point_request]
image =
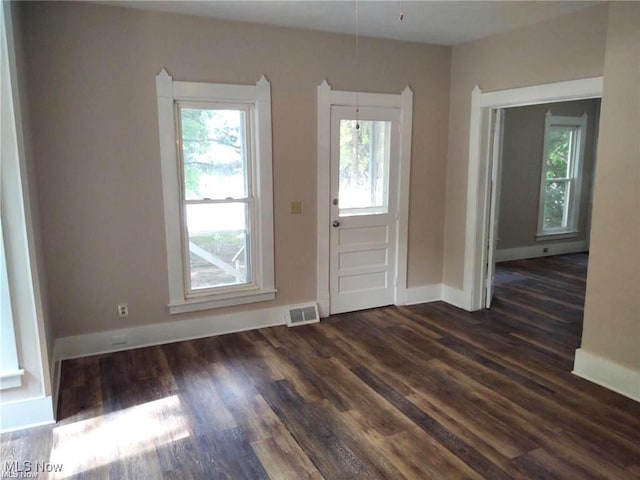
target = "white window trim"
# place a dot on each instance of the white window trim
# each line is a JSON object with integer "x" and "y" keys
{"x": 574, "y": 176}
{"x": 10, "y": 373}
{"x": 259, "y": 96}
{"x": 12, "y": 221}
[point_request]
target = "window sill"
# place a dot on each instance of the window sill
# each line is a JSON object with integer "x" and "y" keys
{"x": 11, "y": 379}
{"x": 557, "y": 235}
{"x": 219, "y": 301}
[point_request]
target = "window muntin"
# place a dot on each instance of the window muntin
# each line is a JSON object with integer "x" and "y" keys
{"x": 364, "y": 167}
{"x": 561, "y": 174}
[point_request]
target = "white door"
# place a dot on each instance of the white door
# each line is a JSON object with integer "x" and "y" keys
{"x": 495, "y": 162}
{"x": 364, "y": 207}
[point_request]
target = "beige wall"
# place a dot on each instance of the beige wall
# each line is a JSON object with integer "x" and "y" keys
{"x": 522, "y": 150}
{"x": 567, "y": 48}
{"x": 91, "y": 80}
{"x": 612, "y": 311}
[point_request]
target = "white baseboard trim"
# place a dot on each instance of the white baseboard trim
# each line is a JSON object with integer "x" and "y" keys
{"x": 84, "y": 345}
{"x": 167, "y": 332}
{"x": 608, "y": 374}
{"x": 423, "y": 294}
{"x": 535, "y": 251}
{"x": 32, "y": 412}
{"x": 455, "y": 297}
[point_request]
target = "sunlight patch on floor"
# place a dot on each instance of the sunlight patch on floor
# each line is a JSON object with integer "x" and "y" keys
{"x": 89, "y": 444}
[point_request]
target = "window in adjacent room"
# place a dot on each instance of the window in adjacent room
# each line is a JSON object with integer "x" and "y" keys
{"x": 216, "y": 167}
{"x": 564, "y": 140}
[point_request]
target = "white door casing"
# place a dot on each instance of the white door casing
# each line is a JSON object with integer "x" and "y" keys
{"x": 327, "y": 97}
{"x": 363, "y": 228}
{"x": 495, "y": 147}
{"x": 478, "y": 200}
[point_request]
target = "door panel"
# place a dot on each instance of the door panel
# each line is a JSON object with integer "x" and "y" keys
{"x": 364, "y": 165}
{"x": 370, "y": 257}
{"x": 495, "y": 162}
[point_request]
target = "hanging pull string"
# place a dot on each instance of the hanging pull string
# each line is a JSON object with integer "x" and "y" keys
{"x": 357, "y": 65}
{"x": 401, "y": 11}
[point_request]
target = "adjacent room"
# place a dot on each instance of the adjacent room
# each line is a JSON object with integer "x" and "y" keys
{"x": 286, "y": 239}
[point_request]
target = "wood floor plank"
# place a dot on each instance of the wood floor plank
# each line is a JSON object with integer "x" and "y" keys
{"x": 418, "y": 455}
{"x": 283, "y": 459}
{"x": 319, "y": 435}
{"x": 421, "y": 391}
{"x": 540, "y": 465}
{"x": 457, "y": 446}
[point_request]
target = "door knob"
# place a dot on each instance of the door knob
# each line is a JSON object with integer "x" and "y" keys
{"x": 336, "y": 223}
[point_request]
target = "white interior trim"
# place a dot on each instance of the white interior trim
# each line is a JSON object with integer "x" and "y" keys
{"x": 323, "y": 197}
{"x": 535, "y": 251}
{"x": 424, "y": 294}
{"x": 28, "y": 413}
{"x": 327, "y": 97}
{"x": 404, "y": 182}
{"x": 166, "y": 332}
{"x": 454, "y": 296}
{"x": 18, "y": 225}
{"x": 258, "y": 96}
{"x": 11, "y": 378}
{"x": 478, "y": 178}
{"x": 607, "y": 374}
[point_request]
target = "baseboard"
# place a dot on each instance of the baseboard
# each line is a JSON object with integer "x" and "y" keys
{"x": 535, "y": 251}
{"x": 32, "y": 412}
{"x": 455, "y": 297}
{"x": 424, "y": 294}
{"x": 608, "y": 374}
{"x": 167, "y": 332}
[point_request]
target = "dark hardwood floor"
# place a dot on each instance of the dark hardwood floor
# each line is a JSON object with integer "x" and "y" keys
{"x": 427, "y": 391}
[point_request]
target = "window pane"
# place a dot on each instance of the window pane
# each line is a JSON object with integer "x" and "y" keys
{"x": 555, "y": 211}
{"x": 364, "y": 167}
{"x": 218, "y": 237}
{"x": 560, "y": 142}
{"x": 214, "y": 153}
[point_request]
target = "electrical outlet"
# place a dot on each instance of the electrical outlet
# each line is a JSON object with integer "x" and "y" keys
{"x": 123, "y": 310}
{"x": 120, "y": 339}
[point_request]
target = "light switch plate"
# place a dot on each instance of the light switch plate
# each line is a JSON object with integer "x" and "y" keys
{"x": 295, "y": 207}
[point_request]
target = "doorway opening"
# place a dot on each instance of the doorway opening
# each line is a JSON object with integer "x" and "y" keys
{"x": 481, "y": 174}
{"x": 543, "y": 160}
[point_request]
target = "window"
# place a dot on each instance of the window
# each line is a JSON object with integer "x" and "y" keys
{"x": 364, "y": 167}
{"x": 564, "y": 140}
{"x": 215, "y": 143}
{"x": 15, "y": 281}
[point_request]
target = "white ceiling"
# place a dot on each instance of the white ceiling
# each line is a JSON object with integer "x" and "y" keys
{"x": 437, "y": 22}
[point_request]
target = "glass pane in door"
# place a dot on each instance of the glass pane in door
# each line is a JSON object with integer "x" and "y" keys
{"x": 364, "y": 167}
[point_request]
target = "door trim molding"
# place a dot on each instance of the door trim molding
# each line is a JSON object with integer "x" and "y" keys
{"x": 327, "y": 97}
{"x": 473, "y": 286}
